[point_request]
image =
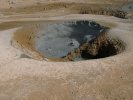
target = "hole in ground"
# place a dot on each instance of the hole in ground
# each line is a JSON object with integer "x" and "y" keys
{"x": 108, "y": 48}
{"x": 67, "y": 41}
{"x": 74, "y": 41}
{"x": 58, "y": 39}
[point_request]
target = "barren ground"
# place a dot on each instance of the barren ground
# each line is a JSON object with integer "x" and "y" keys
{"x": 24, "y": 78}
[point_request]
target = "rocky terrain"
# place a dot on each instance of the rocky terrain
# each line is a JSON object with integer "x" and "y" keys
{"x": 101, "y": 68}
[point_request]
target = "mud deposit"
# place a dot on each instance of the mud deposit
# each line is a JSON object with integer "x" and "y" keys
{"x": 57, "y": 40}
{"x": 68, "y": 41}
{"x": 66, "y": 50}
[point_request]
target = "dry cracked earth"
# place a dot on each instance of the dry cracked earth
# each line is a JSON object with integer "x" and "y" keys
{"x": 66, "y": 50}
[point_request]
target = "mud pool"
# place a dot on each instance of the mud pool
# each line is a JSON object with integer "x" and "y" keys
{"x": 58, "y": 39}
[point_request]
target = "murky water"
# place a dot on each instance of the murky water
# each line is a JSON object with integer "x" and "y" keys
{"x": 58, "y": 39}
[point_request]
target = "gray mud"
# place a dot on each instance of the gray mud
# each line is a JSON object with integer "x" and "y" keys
{"x": 127, "y": 7}
{"x": 58, "y": 39}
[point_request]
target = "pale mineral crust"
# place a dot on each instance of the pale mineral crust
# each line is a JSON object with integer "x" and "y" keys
{"x": 24, "y": 78}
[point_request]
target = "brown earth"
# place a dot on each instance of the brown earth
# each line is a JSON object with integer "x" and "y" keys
{"x": 23, "y": 78}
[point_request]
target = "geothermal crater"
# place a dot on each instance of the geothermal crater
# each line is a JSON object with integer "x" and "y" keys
{"x": 59, "y": 39}
{"x": 72, "y": 41}
{"x": 47, "y": 31}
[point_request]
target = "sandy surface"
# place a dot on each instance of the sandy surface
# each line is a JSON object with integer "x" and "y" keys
{"x": 22, "y": 78}
{"x": 24, "y": 3}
